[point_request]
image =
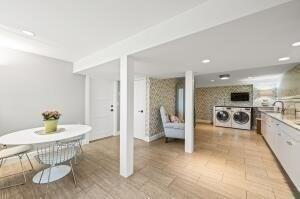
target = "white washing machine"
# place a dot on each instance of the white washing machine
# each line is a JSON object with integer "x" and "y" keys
{"x": 241, "y": 118}
{"x": 222, "y": 116}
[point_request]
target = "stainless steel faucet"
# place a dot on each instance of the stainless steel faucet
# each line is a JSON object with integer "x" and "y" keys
{"x": 296, "y": 111}
{"x": 282, "y": 106}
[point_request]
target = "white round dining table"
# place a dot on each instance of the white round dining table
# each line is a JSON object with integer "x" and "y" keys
{"x": 30, "y": 136}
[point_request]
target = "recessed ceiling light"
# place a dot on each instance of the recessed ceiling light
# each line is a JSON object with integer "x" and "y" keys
{"x": 296, "y": 44}
{"x": 225, "y": 76}
{"x": 205, "y": 61}
{"x": 284, "y": 58}
{"x": 212, "y": 80}
{"x": 28, "y": 33}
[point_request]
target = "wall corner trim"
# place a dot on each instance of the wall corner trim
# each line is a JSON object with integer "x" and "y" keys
{"x": 154, "y": 137}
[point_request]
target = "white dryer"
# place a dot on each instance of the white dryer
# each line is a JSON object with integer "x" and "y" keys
{"x": 241, "y": 118}
{"x": 222, "y": 116}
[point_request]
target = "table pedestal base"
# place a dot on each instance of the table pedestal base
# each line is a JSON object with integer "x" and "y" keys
{"x": 57, "y": 172}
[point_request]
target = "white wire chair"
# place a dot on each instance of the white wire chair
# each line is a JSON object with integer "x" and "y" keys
{"x": 54, "y": 154}
{"x": 15, "y": 151}
{"x": 79, "y": 139}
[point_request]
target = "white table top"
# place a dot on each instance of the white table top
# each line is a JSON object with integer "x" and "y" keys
{"x": 29, "y": 136}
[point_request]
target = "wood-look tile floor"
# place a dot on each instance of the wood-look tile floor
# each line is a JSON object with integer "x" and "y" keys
{"x": 227, "y": 163}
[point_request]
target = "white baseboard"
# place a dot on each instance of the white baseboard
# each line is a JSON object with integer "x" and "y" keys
{"x": 117, "y": 133}
{"x": 204, "y": 121}
{"x": 154, "y": 137}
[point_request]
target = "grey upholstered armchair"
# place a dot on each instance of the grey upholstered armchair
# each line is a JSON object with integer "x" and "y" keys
{"x": 172, "y": 130}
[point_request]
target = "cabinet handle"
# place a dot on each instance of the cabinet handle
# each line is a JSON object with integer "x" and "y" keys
{"x": 289, "y": 143}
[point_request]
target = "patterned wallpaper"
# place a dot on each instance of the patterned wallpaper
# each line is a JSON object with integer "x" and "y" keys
{"x": 208, "y": 97}
{"x": 147, "y": 111}
{"x": 258, "y": 98}
{"x": 289, "y": 85}
{"x": 162, "y": 92}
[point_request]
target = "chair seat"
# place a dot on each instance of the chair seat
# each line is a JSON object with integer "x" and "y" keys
{"x": 12, "y": 151}
{"x": 174, "y": 125}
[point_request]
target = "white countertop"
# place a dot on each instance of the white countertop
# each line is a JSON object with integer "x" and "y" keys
{"x": 287, "y": 119}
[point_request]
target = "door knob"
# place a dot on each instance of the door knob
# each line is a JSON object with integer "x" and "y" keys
{"x": 111, "y": 110}
{"x": 141, "y": 111}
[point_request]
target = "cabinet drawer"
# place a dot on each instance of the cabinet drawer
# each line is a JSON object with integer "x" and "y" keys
{"x": 294, "y": 162}
{"x": 293, "y": 133}
{"x": 288, "y": 150}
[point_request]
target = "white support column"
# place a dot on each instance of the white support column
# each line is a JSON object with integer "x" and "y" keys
{"x": 87, "y": 94}
{"x": 189, "y": 112}
{"x": 126, "y": 117}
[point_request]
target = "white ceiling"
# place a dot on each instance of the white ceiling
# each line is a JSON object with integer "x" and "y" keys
{"x": 71, "y": 29}
{"x": 263, "y": 78}
{"x": 248, "y": 47}
{"x": 254, "y": 41}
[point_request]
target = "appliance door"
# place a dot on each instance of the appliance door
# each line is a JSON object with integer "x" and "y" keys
{"x": 223, "y": 116}
{"x": 241, "y": 117}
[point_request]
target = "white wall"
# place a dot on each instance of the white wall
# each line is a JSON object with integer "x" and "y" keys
{"x": 31, "y": 84}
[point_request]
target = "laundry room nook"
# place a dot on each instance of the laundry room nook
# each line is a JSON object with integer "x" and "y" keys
{"x": 233, "y": 117}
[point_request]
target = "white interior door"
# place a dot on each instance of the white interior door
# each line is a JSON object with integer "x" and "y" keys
{"x": 139, "y": 108}
{"x": 101, "y": 108}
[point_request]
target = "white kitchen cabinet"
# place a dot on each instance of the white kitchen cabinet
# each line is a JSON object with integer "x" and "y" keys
{"x": 276, "y": 139}
{"x": 291, "y": 158}
{"x": 295, "y": 175}
{"x": 269, "y": 133}
{"x": 285, "y": 144}
{"x": 285, "y": 152}
{"x": 264, "y": 125}
{"x": 272, "y": 134}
